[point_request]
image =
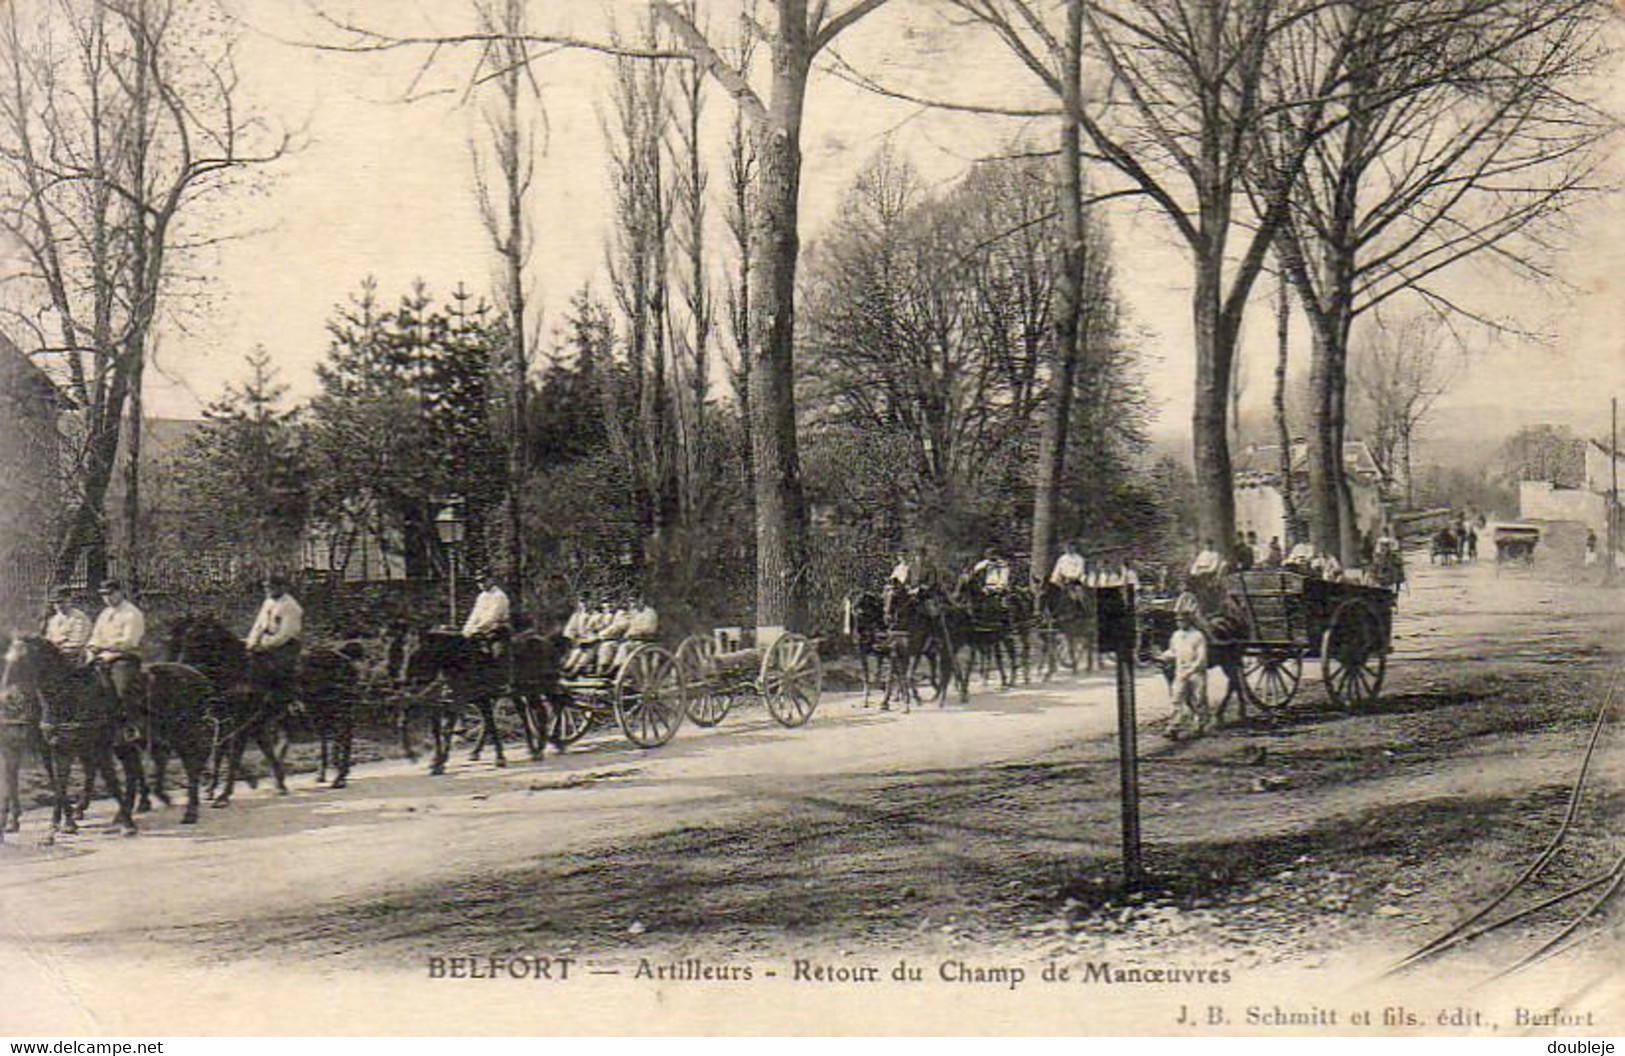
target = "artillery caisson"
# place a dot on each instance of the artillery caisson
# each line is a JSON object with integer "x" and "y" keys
{"x": 718, "y": 673}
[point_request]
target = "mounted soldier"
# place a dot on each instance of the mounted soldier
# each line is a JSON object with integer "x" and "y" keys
{"x": 991, "y": 575}
{"x": 1069, "y": 571}
{"x": 114, "y": 648}
{"x": 274, "y": 641}
{"x": 68, "y": 628}
{"x": 490, "y": 622}
{"x": 905, "y": 576}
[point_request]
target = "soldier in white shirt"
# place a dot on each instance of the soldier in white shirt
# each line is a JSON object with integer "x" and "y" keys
{"x": 68, "y": 628}
{"x": 490, "y": 621}
{"x": 114, "y": 648}
{"x": 991, "y": 572}
{"x": 273, "y": 642}
{"x": 1069, "y": 570}
{"x": 642, "y": 626}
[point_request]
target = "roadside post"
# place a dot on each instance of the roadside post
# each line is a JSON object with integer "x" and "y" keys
{"x": 1114, "y": 602}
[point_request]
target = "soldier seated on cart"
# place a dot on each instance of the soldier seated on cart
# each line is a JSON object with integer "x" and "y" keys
{"x": 588, "y": 629}
{"x": 642, "y": 628}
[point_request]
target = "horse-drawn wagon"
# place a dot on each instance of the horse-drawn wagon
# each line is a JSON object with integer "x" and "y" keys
{"x": 1264, "y": 624}
{"x": 1279, "y": 619}
{"x": 645, "y": 695}
{"x": 1515, "y": 542}
{"x": 718, "y": 672}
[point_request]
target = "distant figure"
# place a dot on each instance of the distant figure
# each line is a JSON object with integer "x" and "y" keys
{"x": 1208, "y": 561}
{"x": 1272, "y": 554}
{"x": 1471, "y": 539}
{"x": 1241, "y": 557}
{"x": 1591, "y": 548}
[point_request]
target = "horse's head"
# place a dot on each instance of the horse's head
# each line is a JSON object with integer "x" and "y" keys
{"x": 425, "y": 654}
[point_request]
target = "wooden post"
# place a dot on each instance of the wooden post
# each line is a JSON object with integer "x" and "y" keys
{"x": 1128, "y": 752}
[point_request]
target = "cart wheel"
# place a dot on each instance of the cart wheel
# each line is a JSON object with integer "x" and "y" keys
{"x": 570, "y": 724}
{"x": 696, "y": 658}
{"x": 1269, "y": 681}
{"x": 649, "y": 697}
{"x": 1354, "y": 656}
{"x": 707, "y": 707}
{"x": 792, "y": 679}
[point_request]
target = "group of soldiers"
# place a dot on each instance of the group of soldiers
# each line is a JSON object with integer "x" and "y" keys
{"x": 111, "y": 645}
{"x": 990, "y": 578}
{"x": 603, "y": 636}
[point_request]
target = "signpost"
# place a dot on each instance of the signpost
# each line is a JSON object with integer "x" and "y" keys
{"x": 1114, "y": 603}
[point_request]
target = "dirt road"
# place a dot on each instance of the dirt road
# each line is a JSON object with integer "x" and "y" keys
{"x": 1289, "y": 859}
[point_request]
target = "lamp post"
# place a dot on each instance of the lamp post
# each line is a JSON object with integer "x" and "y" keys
{"x": 450, "y": 527}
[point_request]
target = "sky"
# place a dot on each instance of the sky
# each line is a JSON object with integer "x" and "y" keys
{"x": 382, "y": 187}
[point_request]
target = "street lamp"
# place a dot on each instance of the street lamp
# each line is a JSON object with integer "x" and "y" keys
{"x": 450, "y": 528}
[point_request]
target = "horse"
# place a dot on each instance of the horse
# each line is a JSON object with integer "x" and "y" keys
{"x": 19, "y": 735}
{"x": 917, "y": 630}
{"x": 1065, "y": 620}
{"x": 326, "y": 694}
{"x": 535, "y": 685}
{"x": 865, "y": 628}
{"x": 993, "y": 625}
{"x": 469, "y": 676}
{"x": 240, "y": 707}
{"x": 80, "y": 718}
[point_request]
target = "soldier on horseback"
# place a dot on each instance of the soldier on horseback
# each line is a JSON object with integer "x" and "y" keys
{"x": 274, "y": 641}
{"x": 991, "y": 575}
{"x": 490, "y": 622}
{"x": 1069, "y": 571}
{"x": 114, "y": 648}
{"x": 68, "y": 628}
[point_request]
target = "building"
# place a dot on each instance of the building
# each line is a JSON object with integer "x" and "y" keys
{"x": 30, "y": 480}
{"x": 1261, "y": 505}
{"x": 1587, "y": 505}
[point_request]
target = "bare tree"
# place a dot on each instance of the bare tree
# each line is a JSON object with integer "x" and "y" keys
{"x": 794, "y": 36}
{"x": 1399, "y": 372}
{"x": 510, "y": 135}
{"x": 1458, "y": 133}
{"x": 1180, "y": 122}
{"x": 121, "y": 121}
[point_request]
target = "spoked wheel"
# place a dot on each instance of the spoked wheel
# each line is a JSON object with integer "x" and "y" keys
{"x": 1354, "y": 656}
{"x": 649, "y": 701}
{"x": 570, "y": 724}
{"x": 696, "y": 659}
{"x": 791, "y": 680}
{"x": 1270, "y": 680}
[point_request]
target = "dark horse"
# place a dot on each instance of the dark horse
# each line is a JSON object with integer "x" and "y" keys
{"x": 993, "y": 626}
{"x": 865, "y": 629}
{"x": 918, "y": 633}
{"x": 19, "y": 736}
{"x": 1065, "y": 620}
{"x": 325, "y": 695}
{"x": 80, "y": 719}
{"x": 469, "y": 676}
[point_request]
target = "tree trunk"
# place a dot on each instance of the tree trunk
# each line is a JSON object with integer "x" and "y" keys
{"x": 1283, "y": 429}
{"x": 1215, "y": 349}
{"x": 781, "y": 522}
{"x": 1068, "y": 307}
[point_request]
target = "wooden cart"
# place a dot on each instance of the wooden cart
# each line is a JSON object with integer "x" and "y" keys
{"x": 1272, "y": 621}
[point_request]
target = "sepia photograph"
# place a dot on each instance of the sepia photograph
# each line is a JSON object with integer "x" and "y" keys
{"x": 812, "y": 517}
